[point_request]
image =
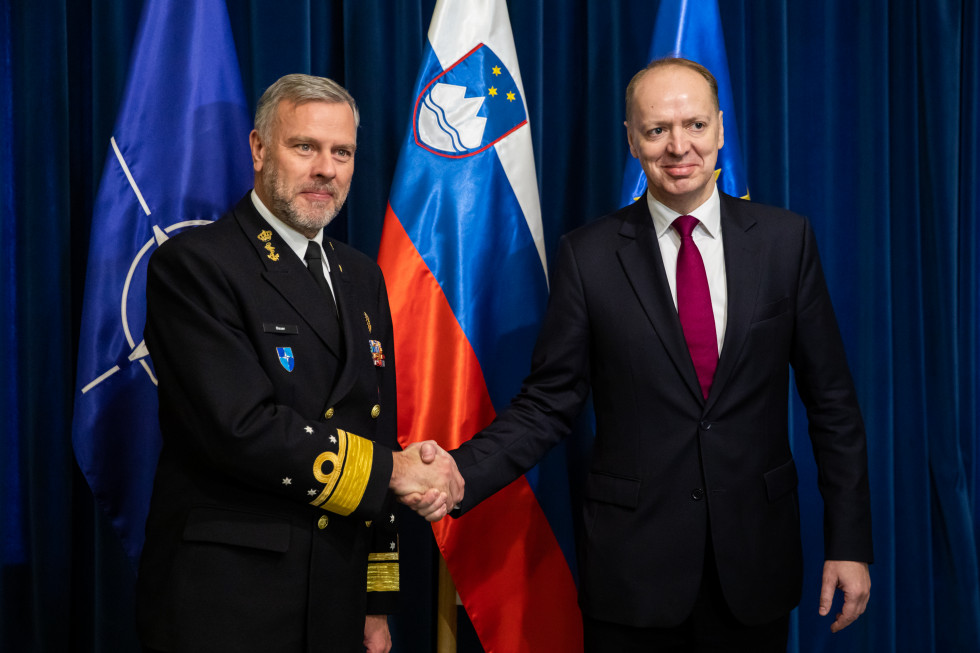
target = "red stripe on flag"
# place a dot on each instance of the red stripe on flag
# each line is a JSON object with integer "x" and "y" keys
{"x": 503, "y": 556}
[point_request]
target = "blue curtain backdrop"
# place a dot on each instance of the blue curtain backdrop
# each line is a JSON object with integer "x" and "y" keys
{"x": 862, "y": 115}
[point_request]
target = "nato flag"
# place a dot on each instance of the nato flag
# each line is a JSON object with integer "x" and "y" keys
{"x": 178, "y": 157}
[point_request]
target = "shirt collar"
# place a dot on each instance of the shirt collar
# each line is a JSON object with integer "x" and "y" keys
{"x": 708, "y": 214}
{"x": 296, "y": 241}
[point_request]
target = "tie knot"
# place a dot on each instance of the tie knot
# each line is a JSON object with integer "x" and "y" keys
{"x": 312, "y": 251}
{"x": 685, "y": 225}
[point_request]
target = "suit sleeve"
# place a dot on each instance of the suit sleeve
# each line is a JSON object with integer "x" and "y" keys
{"x": 217, "y": 401}
{"x": 550, "y": 399}
{"x": 836, "y": 428}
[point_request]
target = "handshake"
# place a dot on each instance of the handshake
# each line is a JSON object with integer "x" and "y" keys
{"x": 425, "y": 478}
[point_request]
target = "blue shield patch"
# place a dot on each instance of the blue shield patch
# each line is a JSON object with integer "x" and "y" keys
{"x": 469, "y": 107}
{"x": 286, "y": 357}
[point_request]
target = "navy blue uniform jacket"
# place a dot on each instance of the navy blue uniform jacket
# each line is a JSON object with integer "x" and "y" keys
{"x": 270, "y": 526}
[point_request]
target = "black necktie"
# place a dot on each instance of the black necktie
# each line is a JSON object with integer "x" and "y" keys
{"x": 315, "y": 265}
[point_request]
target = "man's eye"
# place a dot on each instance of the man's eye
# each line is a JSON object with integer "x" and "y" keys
{"x": 657, "y": 131}
{"x": 304, "y": 147}
{"x": 699, "y": 125}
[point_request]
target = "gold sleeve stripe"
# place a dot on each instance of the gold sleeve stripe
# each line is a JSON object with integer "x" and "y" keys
{"x": 329, "y": 480}
{"x": 381, "y": 557}
{"x": 354, "y": 476}
{"x": 382, "y": 577}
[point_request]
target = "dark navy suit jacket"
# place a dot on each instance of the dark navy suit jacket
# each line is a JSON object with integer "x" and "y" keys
{"x": 667, "y": 464}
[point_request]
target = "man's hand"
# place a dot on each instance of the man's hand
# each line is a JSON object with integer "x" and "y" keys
{"x": 854, "y": 580}
{"x": 377, "y": 639}
{"x": 426, "y": 479}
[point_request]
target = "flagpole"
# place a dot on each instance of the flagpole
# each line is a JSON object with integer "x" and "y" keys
{"x": 446, "y": 617}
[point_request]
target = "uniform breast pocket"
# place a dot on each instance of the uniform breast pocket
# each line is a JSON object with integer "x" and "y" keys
{"x": 281, "y": 343}
{"x": 280, "y": 328}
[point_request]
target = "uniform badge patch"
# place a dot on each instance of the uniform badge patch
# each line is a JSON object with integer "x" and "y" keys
{"x": 286, "y": 357}
{"x": 377, "y": 355}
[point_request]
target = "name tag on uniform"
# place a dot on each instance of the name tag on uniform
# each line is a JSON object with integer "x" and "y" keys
{"x": 275, "y": 327}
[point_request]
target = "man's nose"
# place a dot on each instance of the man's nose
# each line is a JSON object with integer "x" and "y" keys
{"x": 324, "y": 166}
{"x": 678, "y": 142}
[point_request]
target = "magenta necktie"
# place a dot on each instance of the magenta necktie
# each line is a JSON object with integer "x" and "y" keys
{"x": 694, "y": 305}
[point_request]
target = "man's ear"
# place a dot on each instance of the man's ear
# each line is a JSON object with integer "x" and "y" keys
{"x": 258, "y": 150}
{"x": 629, "y": 139}
{"x": 721, "y": 130}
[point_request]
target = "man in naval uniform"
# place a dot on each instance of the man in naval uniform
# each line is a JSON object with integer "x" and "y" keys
{"x": 271, "y": 526}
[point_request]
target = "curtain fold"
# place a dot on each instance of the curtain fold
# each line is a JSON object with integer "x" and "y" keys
{"x": 863, "y": 116}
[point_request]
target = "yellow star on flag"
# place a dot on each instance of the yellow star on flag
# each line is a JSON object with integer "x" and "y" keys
{"x": 493, "y": 91}
{"x": 510, "y": 96}
{"x": 496, "y": 70}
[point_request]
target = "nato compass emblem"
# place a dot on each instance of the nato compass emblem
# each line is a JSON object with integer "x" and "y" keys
{"x": 132, "y": 305}
{"x": 286, "y": 358}
{"x": 469, "y": 107}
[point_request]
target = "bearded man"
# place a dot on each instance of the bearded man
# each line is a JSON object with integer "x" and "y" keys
{"x": 271, "y": 526}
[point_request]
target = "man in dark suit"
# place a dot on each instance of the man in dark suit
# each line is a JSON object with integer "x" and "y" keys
{"x": 691, "y": 536}
{"x": 271, "y": 526}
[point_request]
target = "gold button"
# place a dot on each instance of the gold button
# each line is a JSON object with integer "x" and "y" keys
{"x": 375, "y": 411}
{"x": 322, "y": 522}
{"x": 329, "y": 413}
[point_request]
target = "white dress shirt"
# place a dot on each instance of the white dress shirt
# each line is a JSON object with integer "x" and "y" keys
{"x": 707, "y": 237}
{"x": 296, "y": 241}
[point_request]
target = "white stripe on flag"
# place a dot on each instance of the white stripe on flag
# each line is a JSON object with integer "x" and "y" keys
{"x": 129, "y": 176}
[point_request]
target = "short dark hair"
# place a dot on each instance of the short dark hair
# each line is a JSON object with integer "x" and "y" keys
{"x": 670, "y": 61}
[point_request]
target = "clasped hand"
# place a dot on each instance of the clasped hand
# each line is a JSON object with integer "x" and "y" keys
{"x": 425, "y": 478}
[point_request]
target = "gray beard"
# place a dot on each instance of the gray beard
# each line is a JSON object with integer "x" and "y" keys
{"x": 284, "y": 208}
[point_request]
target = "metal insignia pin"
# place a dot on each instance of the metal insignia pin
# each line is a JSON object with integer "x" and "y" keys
{"x": 368, "y": 320}
{"x": 272, "y": 252}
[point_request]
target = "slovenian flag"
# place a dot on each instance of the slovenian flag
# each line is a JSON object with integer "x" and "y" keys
{"x": 692, "y": 29}
{"x": 463, "y": 257}
{"x": 178, "y": 157}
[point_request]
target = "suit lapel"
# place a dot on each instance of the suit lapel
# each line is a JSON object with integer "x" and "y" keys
{"x": 742, "y": 273}
{"x": 289, "y": 276}
{"x": 644, "y": 267}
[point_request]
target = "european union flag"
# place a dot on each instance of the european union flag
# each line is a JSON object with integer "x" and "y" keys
{"x": 692, "y": 29}
{"x": 178, "y": 157}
